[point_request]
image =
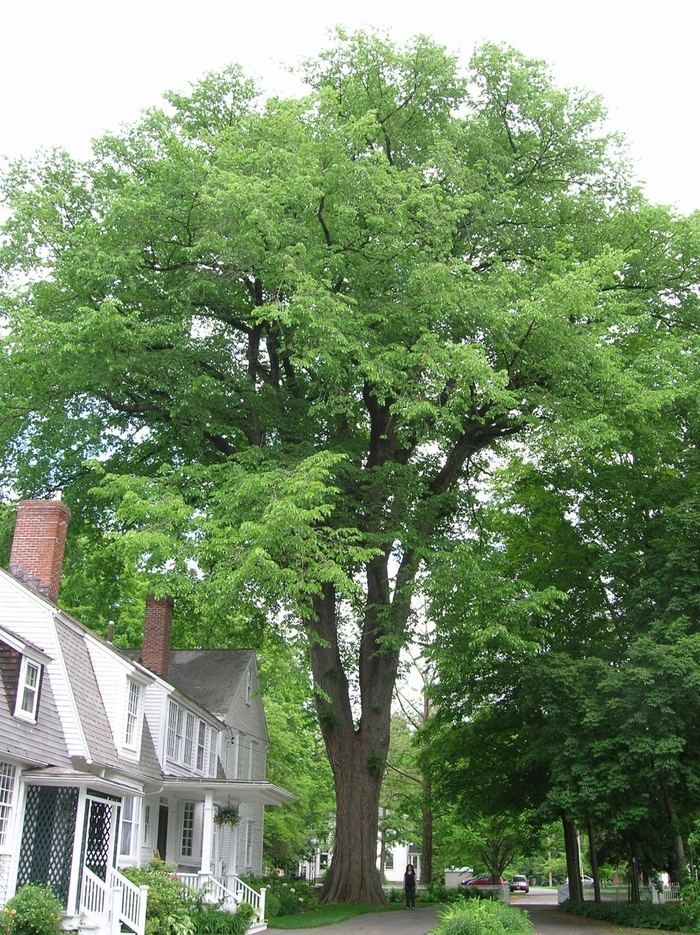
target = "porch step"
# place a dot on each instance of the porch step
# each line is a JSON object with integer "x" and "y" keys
{"x": 257, "y": 927}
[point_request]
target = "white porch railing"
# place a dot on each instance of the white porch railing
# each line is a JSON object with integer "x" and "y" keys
{"x": 115, "y": 903}
{"x": 230, "y": 891}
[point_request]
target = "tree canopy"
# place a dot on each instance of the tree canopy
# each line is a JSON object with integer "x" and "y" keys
{"x": 263, "y": 344}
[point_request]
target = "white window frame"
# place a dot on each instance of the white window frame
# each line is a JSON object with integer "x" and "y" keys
{"x": 249, "y": 844}
{"x": 146, "y": 824}
{"x": 240, "y": 757}
{"x": 248, "y": 685}
{"x": 201, "y": 761}
{"x": 213, "y": 752}
{"x": 190, "y": 741}
{"x": 187, "y": 837}
{"x": 24, "y": 685}
{"x": 251, "y": 759}
{"x": 8, "y": 799}
{"x": 189, "y": 748}
{"x": 128, "y": 826}
{"x": 134, "y": 695}
{"x": 174, "y": 734}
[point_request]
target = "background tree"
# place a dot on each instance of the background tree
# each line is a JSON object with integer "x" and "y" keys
{"x": 289, "y": 330}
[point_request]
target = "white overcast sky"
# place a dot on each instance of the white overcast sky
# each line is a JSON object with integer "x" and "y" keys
{"x": 71, "y": 69}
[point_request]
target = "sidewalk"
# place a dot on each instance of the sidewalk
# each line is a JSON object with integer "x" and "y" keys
{"x": 416, "y": 922}
{"x": 423, "y": 921}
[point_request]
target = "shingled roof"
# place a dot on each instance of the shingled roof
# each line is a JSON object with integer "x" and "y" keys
{"x": 209, "y": 676}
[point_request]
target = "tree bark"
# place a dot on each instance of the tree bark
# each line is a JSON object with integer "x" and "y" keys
{"x": 593, "y": 851}
{"x": 357, "y": 753}
{"x": 678, "y": 849}
{"x": 426, "y": 860}
{"x": 635, "y": 897}
{"x": 573, "y": 865}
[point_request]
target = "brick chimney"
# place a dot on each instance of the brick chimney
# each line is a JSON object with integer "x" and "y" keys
{"x": 155, "y": 654}
{"x": 38, "y": 545}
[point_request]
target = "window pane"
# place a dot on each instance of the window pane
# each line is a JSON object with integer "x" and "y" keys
{"x": 7, "y": 786}
{"x": 28, "y": 700}
{"x": 213, "y": 741}
{"x": 174, "y": 750}
{"x": 127, "y": 828}
{"x": 132, "y": 711}
{"x": 187, "y": 828}
{"x": 201, "y": 744}
{"x": 189, "y": 739}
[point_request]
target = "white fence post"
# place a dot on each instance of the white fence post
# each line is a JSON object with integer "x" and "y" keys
{"x": 142, "y": 909}
{"x": 115, "y": 925}
{"x": 263, "y": 890}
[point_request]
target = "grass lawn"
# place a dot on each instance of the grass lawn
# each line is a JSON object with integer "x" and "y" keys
{"x": 327, "y": 915}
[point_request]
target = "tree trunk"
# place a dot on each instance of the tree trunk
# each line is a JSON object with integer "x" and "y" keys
{"x": 593, "y": 851}
{"x": 573, "y": 864}
{"x": 678, "y": 849}
{"x": 426, "y": 860}
{"x": 635, "y": 897}
{"x": 357, "y": 753}
{"x": 353, "y": 876}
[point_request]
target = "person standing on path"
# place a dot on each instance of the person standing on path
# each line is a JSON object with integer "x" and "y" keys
{"x": 409, "y": 887}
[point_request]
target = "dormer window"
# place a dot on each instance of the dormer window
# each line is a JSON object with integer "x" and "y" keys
{"x": 133, "y": 708}
{"x": 28, "y": 690}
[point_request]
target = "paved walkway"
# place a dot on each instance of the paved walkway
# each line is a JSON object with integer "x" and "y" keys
{"x": 422, "y": 921}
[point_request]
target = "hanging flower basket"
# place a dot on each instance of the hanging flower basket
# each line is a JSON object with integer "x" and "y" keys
{"x": 227, "y": 816}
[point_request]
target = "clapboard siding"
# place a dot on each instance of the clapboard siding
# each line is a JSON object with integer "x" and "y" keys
{"x": 111, "y": 675}
{"x": 41, "y": 743}
{"x": 31, "y": 617}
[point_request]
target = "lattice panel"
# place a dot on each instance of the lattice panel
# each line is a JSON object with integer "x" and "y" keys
{"x": 47, "y": 838}
{"x": 98, "y": 837}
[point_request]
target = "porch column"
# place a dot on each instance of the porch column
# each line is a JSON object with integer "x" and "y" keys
{"x": 76, "y": 869}
{"x": 207, "y": 832}
{"x": 232, "y": 855}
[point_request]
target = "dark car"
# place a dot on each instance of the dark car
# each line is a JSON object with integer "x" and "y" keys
{"x": 484, "y": 879}
{"x": 519, "y": 884}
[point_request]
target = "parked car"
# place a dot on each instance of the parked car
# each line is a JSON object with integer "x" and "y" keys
{"x": 519, "y": 884}
{"x": 585, "y": 880}
{"x": 484, "y": 879}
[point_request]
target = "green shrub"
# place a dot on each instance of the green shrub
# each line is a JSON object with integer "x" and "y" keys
{"x": 213, "y": 920}
{"x": 483, "y": 917}
{"x": 33, "y": 910}
{"x": 290, "y": 896}
{"x": 690, "y": 907}
{"x": 444, "y": 895}
{"x": 167, "y": 909}
{"x": 272, "y": 906}
{"x": 394, "y": 895}
{"x": 668, "y": 917}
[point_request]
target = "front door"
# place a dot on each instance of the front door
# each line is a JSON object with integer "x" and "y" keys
{"x": 162, "y": 840}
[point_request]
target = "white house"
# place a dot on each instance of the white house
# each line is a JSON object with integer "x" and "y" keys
{"x": 108, "y": 758}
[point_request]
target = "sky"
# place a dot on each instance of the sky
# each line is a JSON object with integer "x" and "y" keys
{"x": 72, "y": 69}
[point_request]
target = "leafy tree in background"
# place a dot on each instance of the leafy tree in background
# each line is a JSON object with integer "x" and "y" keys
{"x": 289, "y": 331}
{"x": 593, "y": 690}
{"x": 297, "y": 760}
